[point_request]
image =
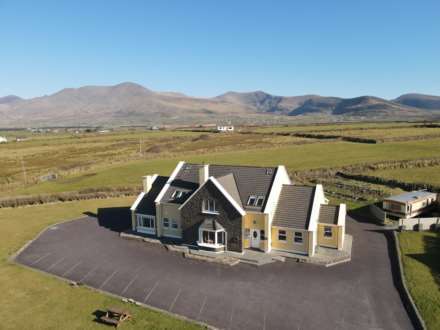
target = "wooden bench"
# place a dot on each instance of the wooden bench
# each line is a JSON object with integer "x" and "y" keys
{"x": 115, "y": 316}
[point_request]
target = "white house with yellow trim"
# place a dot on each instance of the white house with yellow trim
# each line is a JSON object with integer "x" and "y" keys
{"x": 233, "y": 208}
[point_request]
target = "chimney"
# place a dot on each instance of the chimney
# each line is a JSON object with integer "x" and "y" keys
{"x": 203, "y": 174}
{"x": 148, "y": 182}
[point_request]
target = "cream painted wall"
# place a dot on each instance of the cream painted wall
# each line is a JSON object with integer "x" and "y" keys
{"x": 256, "y": 220}
{"x": 333, "y": 241}
{"x": 289, "y": 244}
{"x": 170, "y": 211}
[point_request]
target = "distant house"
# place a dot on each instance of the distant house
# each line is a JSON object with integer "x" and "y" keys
{"x": 233, "y": 208}
{"x": 409, "y": 204}
{"x": 3, "y": 139}
{"x": 227, "y": 128}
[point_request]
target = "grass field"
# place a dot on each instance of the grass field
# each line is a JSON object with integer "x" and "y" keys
{"x": 32, "y": 300}
{"x": 295, "y": 157}
{"x": 330, "y": 127}
{"x": 429, "y": 175}
{"x": 121, "y": 158}
{"x": 421, "y": 260}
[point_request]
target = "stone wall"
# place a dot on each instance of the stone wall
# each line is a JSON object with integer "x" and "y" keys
{"x": 228, "y": 217}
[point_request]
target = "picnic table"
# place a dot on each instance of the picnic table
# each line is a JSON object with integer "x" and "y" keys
{"x": 115, "y": 316}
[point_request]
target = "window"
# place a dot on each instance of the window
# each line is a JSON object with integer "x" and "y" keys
{"x": 208, "y": 237}
{"x": 328, "y": 231}
{"x": 255, "y": 200}
{"x": 282, "y": 235}
{"x": 262, "y": 234}
{"x": 247, "y": 233}
{"x": 145, "y": 221}
{"x": 209, "y": 206}
{"x": 298, "y": 238}
{"x": 166, "y": 222}
{"x": 174, "y": 224}
{"x": 251, "y": 200}
{"x": 177, "y": 194}
{"x": 221, "y": 237}
{"x": 260, "y": 201}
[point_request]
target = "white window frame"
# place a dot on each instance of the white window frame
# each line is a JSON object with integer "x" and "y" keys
{"x": 280, "y": 234}
{"x": 166, "y": 223}
{"x": 214, "y": 245}
{"x": 151, "y": 229}
{"x": 177, "y": 194}
{"x": 299, "y": 237}
{"x": 326, "y": 231}
{"x": 252, "y": 197}
{"x": 174, "y": 224}
{"x": 259, "y": 198}
{"x": 206, "y": 206}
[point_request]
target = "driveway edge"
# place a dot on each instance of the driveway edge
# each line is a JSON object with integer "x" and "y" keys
{"x": 13, "y": 259}
{"x": 408, "y": 301}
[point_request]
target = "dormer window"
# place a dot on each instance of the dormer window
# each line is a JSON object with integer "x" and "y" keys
{"x": 260, "y": 201}
{"x": 255, "y": 200}
{"x": 251, "y": 201}
{"x": 177, "y": 194}
{"x": 209, "y": 206}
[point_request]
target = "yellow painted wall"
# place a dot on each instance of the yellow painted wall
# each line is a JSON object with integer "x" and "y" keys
{"x": 334, "y": 241}
{"x": 255, "y": 220}
{"x": 289, "y": 244}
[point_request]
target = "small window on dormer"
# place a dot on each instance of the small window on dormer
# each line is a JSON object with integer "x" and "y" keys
{"x": 177, "y": 194}
{"x": 260, "y": 201}
{"x": 251, "y": 201}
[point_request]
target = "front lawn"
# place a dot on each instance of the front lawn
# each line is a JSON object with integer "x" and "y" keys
{"x": 33, "y": 300}
{"x": 421, "y": 261}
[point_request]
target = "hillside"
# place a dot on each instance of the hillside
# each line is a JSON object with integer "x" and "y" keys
{"x": 130, "y": 103}
{"x": 422, "y": 101}
{"x": 9, "y": 99}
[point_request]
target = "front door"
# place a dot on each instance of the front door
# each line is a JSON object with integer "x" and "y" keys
{"x": 255, "y": 238}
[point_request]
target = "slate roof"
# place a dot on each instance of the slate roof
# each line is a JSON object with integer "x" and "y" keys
{"x": 228, "y": 182}
{"x": 147, "y": 205}
{"x": 249, "y": 180}
{"x": 294, "y": 207}
{"x": 328, "y": 214}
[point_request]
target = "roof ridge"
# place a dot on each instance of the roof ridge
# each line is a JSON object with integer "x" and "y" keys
{"x": 231, "y": 165}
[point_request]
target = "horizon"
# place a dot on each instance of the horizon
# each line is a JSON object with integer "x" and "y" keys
{"x": 208, "y": 97}
{"x": 205, "y": 49}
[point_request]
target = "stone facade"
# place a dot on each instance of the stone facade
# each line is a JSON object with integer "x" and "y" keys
{"x": 192, "y": 216}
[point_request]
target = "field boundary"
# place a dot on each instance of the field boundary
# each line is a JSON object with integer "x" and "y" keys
{"x": 391, "y": 183}
{"x": 67, "y": 197}
{"x": 407, "y": 299}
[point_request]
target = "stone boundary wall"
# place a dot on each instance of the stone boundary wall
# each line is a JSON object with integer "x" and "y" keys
{"x": 66, "y": 197}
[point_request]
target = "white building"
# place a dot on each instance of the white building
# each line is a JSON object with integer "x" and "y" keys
{"x": 3, "y": 139}
{"x": 228, "y": 128}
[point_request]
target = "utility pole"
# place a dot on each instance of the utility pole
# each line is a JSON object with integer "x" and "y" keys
{"x": 140, "y": 146}
{"x": 23, "y": 168}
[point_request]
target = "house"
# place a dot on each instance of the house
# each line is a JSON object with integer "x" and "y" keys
{"x": 409, "y": 204}
{"x": 224, "y": 207}
{"x": 3, "y": 139}
{"x": 227, "y": 128}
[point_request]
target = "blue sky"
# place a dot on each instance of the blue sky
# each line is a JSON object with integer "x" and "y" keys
{"x": 205, "y": 47}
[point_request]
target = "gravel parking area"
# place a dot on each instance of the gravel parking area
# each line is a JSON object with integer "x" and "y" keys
{"x": 357, "y": 295}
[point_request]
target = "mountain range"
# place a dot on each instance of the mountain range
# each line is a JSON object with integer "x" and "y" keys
{"x": 130, "y": 103}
